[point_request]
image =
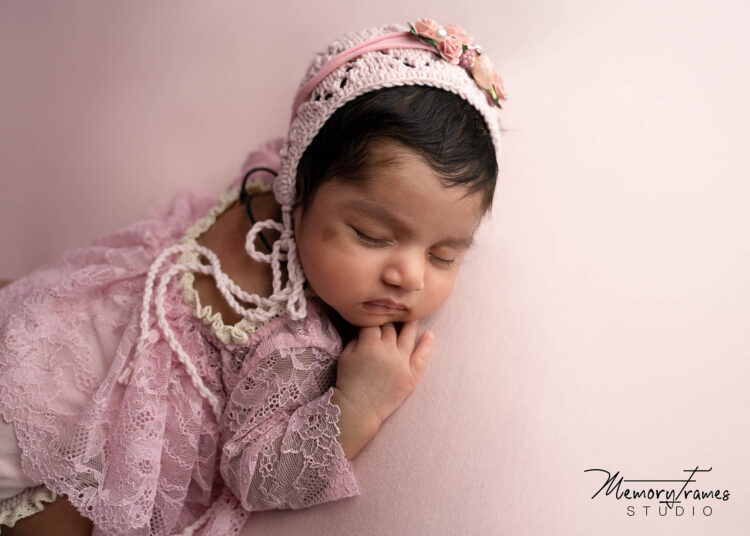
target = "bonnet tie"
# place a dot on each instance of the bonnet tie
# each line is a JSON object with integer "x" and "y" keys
{"x": 231, "y": 292}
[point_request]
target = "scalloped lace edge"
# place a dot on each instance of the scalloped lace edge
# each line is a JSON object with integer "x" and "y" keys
{"x": 238, "y": 333}
{"x": 27, "y": 503}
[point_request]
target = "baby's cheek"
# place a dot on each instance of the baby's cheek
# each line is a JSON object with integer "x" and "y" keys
{"x": 340, "y": 269}
{"x": 440, "y": 290}
{"x": 355, "y": 257}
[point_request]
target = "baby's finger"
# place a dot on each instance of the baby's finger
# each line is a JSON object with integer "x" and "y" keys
{"x": 421, "y": 353}
{"x": 369, "y": 334}
{"x": 407, "y": 337}
{"x": 388, "y": 333}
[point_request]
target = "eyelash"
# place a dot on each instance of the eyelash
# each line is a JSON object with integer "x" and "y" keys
{"x": 443, "y": 263}
{"x": 379, "y": 242}
{"x": 372, "y": 242}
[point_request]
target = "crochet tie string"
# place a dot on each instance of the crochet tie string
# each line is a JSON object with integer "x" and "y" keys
{"x": 265, "y": 308}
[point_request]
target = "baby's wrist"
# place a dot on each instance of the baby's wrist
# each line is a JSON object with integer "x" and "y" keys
{"x": 362, "y": 412}
{"x": 356, "y": 427}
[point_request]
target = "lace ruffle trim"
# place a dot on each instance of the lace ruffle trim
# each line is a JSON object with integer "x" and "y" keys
{"x": 238, "y": 333}
{"x": 25, "y": 504}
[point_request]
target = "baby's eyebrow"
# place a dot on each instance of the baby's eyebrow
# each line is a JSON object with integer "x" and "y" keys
{"x": 385, "y": 215}
{"x": 465, "y": 242}
{"x": 378, "y": 212}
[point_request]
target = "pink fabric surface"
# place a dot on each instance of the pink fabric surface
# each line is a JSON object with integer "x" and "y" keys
{"x": 601, "y": 320}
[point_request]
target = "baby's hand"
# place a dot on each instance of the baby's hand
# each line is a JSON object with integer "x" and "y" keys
{"x": 380, "y": 368}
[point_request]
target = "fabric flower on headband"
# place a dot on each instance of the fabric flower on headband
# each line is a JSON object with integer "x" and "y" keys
{"x": 456, "y": 47}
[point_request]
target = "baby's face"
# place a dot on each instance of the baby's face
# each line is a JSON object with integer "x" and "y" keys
{"x": 386, "y": 249}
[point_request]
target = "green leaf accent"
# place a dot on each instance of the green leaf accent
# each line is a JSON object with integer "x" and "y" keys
{"x": 493, "y": 93}
{"x": 411, "y": 29}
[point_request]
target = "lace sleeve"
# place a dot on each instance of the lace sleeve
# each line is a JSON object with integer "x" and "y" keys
{"x": 282, "y": 448}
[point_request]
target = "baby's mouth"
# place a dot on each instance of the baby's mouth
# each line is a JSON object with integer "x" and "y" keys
{"x": 384, "y": 306}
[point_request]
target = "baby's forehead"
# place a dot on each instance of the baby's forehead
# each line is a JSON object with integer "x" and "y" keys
{"x": 388, "y": 153}
{"x": 406, "y": 194}
{"x": 390, "y": 150}
{"x": 389, "y": 160}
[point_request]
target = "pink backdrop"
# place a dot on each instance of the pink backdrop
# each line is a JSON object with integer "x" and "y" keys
{"x": 602, "y": 321}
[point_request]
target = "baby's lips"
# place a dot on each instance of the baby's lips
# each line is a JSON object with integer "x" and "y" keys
{"x": 385, "y": 302}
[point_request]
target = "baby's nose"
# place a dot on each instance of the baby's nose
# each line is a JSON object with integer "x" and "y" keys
{"x": 406, "y": 271}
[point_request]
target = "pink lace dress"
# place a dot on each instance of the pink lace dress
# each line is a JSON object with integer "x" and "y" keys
{"x": 148, "y": 456}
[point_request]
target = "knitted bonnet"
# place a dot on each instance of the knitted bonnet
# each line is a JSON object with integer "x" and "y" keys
{"x": 424, "y": 54}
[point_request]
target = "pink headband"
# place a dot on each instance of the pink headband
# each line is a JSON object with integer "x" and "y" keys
{"x": 451, "y": 42}
{"x": 382, "y": 42}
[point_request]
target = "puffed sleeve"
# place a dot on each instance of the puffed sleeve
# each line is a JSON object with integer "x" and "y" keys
{"x": 281, "y": 445}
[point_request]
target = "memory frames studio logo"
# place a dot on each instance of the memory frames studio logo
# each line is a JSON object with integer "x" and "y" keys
{"x": 646, "y": 497}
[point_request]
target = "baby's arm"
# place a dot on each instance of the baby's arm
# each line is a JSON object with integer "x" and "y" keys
{"x": 280, "y": 432}
{"x": 376, "y": 372}
{"x": 286, "y": 445}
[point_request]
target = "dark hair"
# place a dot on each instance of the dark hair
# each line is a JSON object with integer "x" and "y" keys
{"x": 447, "y": 131}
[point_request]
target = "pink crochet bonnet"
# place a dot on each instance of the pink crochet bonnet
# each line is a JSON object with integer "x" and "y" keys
{"x": 359, "y": 62}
